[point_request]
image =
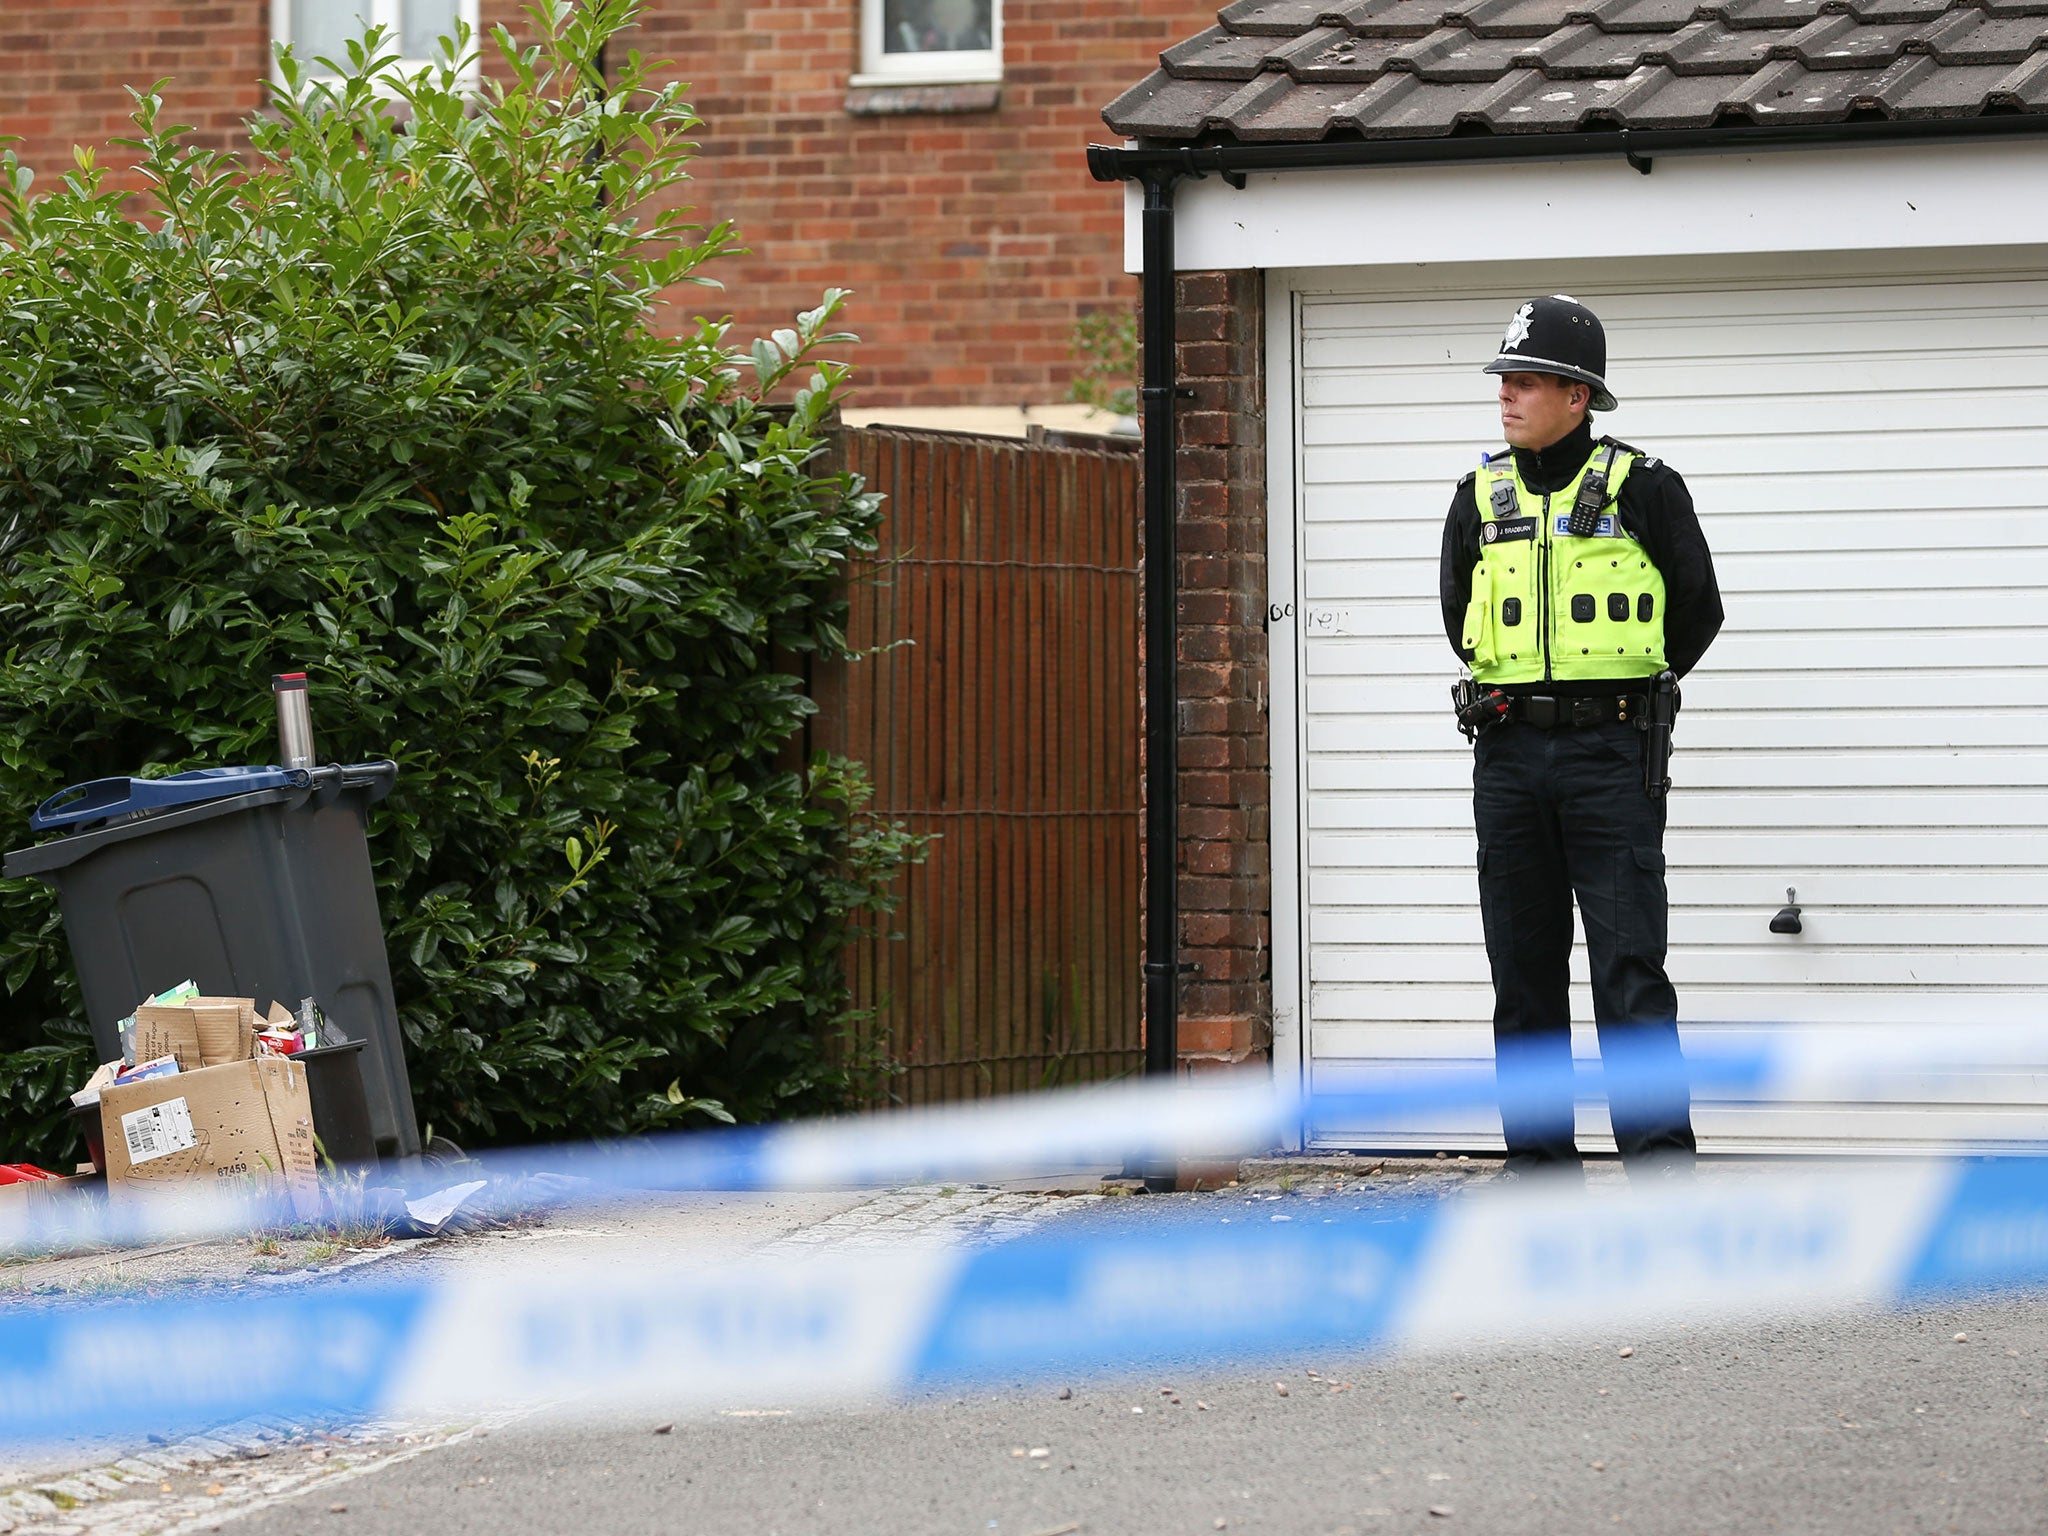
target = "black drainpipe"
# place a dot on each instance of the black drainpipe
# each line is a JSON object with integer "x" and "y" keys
{"x": 1162, "y": 640}
{"x": 1157, "y": 393}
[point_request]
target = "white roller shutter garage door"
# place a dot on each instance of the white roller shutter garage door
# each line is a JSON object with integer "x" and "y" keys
{"x": 1868, "y": 448}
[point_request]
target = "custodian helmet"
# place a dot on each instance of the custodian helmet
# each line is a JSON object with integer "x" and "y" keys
{"x": 1557, "y": 335}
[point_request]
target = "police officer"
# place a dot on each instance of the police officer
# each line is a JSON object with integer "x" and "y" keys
{"x": 1574, "y": 573}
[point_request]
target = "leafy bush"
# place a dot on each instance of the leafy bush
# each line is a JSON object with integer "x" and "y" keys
{"x": 384, "y": 400}
{"x": 1107, "y": 343}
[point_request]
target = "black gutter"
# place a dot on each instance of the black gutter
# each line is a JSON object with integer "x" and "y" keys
{"x": 1158, "y": 168}
{"x": 1638, "y": 146}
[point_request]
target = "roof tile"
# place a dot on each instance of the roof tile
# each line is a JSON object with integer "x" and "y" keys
{"x": 1971, "y": 37}
{"x": 1453, "y": 54}
{"x": 1763, "y": 13}
{"x": 1788, "y": 92}
{"x": 1408, "y": 107}
{"x": 2025, "y": 87}
{"x": 1161, "y": 107}
{"x": 1879, "y": 12}
{"x": 1526, "y": 101}
{"x": 1254, "y": 99}
{"x": 1389, "y": 100}
{"x": 1509, "y": 18}
{"x": 1842, "y": 42}
{"x": 1626, "y": 102}
{"x": 1386, "y": 18}
{"x": 1915, "y": 86}
{"x": 1331, "y": 55}
{"x": 1271, "y": 18}
{"x": 1581, "y": 50}
{"x": 1710, "y": 48}
{"x": 1307, "y": 112}
{"x": 1652, "y": 97}
{"x": 1637, "y": 15}
{"x": 1935, "y": 91}
{"x": 1218, "y": 54}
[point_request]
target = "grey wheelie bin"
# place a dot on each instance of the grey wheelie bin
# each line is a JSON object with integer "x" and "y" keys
{"x": 251, "y": 882}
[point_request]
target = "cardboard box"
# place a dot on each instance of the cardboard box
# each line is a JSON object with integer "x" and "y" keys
{"x": 200, "y": 1032}
{"x": 167, "y": 1031}
{"x": 242, "y": 1123}
{"x": 227, "y": 1028}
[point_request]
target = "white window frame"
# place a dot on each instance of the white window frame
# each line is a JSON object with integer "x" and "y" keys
{"x": 966, "y": 66}
{"x": 388, "y": 14}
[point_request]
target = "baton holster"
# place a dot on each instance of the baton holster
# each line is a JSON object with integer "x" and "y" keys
{"x": 1656, "y": 722}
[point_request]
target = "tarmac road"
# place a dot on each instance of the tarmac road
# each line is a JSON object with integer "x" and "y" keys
{"x": 1850, "y": 1427}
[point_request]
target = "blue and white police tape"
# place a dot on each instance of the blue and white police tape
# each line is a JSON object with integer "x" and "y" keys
{"x": 1073, "y": 1300}
{"x": 1140, "y": 1125}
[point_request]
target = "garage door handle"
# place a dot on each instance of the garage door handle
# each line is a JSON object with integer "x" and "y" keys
{"x": 1787, "y": 920}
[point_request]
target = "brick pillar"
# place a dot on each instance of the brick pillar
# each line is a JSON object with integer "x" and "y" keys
{"x": 1226, "y": 867}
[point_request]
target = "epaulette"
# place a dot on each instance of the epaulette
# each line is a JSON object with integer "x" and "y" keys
{"x": 1468, "y": 477}
{"x": 1646, "y": 460}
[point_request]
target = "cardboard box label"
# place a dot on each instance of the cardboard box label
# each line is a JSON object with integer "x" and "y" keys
{"x": 158, "y": 1131}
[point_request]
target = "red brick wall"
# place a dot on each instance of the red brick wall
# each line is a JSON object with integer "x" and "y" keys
{"x": 66, "y": 66}
{"x": 1226, "y": 868}
{"x": 971, "y": 241}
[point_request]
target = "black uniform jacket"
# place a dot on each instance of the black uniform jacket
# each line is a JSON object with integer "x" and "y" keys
{"x": 1655, "y": 508}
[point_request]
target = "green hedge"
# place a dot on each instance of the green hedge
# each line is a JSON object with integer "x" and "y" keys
{"x": 389, "y": 399}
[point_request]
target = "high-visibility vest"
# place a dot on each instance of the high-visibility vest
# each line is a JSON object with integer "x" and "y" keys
{"x": 1550, "y": 604}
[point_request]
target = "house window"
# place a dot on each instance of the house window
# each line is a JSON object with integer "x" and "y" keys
{"x": 906, "y": 42}
{"x": 324, "y": 28}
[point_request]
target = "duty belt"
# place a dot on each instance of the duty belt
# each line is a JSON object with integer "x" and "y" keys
{"x": 1547, "y": 714}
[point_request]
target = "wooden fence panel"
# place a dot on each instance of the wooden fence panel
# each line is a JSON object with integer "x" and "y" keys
{"x": 996, "y": 710}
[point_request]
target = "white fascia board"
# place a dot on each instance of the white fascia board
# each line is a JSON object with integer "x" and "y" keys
{"x": 1902, "y": 197}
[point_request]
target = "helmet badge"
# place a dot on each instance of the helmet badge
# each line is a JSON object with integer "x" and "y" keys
{"x": 1518, "y": 328}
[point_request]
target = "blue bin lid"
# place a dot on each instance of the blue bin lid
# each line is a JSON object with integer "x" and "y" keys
{"x": 103, "y": 798}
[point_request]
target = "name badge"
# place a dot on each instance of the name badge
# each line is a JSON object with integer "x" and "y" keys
{"x": 1507, "y": 530}
{"x": 1604, "y": 529}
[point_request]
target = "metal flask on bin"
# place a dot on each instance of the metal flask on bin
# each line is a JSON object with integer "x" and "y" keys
{"x": 252, "y": 882}
{"x": 294, "y": 720}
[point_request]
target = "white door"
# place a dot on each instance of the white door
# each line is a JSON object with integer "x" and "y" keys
{"x": 1868, "y": 449}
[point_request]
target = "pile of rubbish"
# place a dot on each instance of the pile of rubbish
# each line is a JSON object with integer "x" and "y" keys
{"x": 210, "y": 1095}
{"x": 206, "y": 1090}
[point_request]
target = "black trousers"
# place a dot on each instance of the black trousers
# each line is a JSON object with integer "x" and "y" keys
{"x": 1561, "y": 815}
